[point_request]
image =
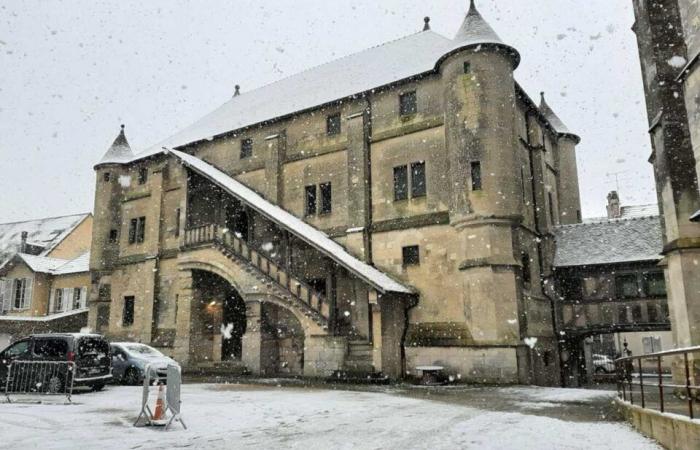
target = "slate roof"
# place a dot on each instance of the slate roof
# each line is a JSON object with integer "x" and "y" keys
{"x": 294, "y": 225}
{"x": 631, "y": 212}
{"x": 553, "y": 119}
{"x": 608, "y": 242}
{"x": 119, "y": 152}
{"x": 352, "y": 75}
{"x": 44, "y": 233}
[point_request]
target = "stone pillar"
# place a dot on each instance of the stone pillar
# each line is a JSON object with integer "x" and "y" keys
{"x": 252, "y": 339}
{"x": 276, "y": 149}
{"x": 183, "y": 320}
{"x": 359, "y": 185}
{"x": 377, "y": 340}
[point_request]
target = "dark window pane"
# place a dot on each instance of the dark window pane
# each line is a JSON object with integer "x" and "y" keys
{"x": 128, "y": 314}
{"x": 246, "y": 148}
{"x": 326, "y": 198}
{"x": 654, "y": 284}
{"x": 626, "y": 286}
{"x": 636, "y": 313}
{"x": 408, "y": 104}
{"x": 141, "y": 230}
{"x": 527, "y": 269}
{"x": 333, "y": 124}
{"x": 318, "y": 285}
{"x": 113, "y": 236}
{"x": 107, "y": 176}
{"x": 467, "y": 67}
{"x": 143, "y": 175}
{"x": 621, "y": 314}
{"x": 653, "y": 313}
{"x": 476, "y": 175}
{"x": 132, "y": 230}
{"x": 418, "y": 179}
{"x": 77, "y": 298}
{"x": 177, "y": 222}
{"x": 310, "y": 204}
{"x": 400, "y": 183}
{"x": 50, "y": 348}
{"x": 410, "y": 255}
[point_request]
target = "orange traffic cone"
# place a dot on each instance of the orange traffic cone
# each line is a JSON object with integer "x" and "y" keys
{"x": 160, "y": 404}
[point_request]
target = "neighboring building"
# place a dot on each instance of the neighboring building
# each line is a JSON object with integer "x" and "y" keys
{"x": 44, "y": 276}
{"x": 610, "y": 287}
{"x": 669, "y": 48}
{"x": 380, "y": 212}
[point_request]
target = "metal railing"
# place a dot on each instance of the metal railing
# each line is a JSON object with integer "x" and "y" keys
{"x": 211, "y": 233}
{"x": 651, "y": 392}
{"x": 40, "y": 378}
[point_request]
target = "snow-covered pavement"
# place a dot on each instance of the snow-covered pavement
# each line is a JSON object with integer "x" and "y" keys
{"x": 246, "y": 416}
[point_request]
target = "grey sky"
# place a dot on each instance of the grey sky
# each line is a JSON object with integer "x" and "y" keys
{"x": 72, "y": 71}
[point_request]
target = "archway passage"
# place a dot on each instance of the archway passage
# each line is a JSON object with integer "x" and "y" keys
{"x": 218, "y": 319}
{"x": 282, "y": 341}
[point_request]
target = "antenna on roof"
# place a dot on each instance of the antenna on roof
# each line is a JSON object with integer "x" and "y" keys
{"x": 238, "y": 91}
{"x": 426, "y": 27}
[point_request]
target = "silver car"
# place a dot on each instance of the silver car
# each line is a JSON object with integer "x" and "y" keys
{"x": 129, "y": 361}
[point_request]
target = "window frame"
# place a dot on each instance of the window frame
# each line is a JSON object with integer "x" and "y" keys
{"x": 20, "y": 301}
{"x": 408, "y": 103}
{"x": 141, "y": 230}
{"x": 467, "y": 67}
{"x": 410, "y": 259}
{"x": 310, "y": 200}
{"x": 400, "y": 172}
{"x": 142, "y": 177}
{"x": 325, "y": 194}
{"x": 476, "y": 176}
{"x": 128, "y": 310}
{"x": 113, "y": 236}
{"x": 618, "y": 285}
{"x": 246, "y": 148}
{"x": 414, "y": 192}
{"x": 107, "y": 177}
{"x": 58, "y": 300}
{"x": 333, "y": 124}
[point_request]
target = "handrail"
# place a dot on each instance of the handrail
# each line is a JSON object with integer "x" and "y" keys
{"x": 624, "y": 367}
{"x": 211, "y": 234}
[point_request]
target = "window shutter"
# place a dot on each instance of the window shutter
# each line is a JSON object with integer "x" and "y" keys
{"x": 52, "y": 298}
{"x": 6, "y": 294}
{"x": 28, "y": 293}
{"x": 67, "y": 299}
{"x": 83, "y": 297}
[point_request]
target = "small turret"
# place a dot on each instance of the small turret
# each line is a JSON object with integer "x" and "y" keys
{"x": 120, "y": 151}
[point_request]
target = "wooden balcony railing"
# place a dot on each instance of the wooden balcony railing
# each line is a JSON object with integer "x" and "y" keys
{"x": 237, "y": 247}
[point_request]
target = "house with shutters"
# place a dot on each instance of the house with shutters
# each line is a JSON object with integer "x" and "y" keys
{"x": 44, "y": 275}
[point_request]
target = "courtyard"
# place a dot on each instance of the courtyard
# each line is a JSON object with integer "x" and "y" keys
{"x": 310, "y": 417}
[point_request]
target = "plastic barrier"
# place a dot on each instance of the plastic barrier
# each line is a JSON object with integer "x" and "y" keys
{"x": 170, "y": 412}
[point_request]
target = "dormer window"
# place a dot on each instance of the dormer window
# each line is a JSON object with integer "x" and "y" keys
{"x": 408, "y": 104}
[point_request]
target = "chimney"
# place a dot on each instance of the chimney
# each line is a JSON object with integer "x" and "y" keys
{"x": 237, "y": 91}
{"x": 613, "y": 207}
{"x": 23, "y": 244}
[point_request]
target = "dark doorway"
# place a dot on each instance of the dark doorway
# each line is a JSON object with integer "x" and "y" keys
{"x": 233, "y": 326}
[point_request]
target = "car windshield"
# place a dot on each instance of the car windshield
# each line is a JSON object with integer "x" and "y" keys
{"x": 142, "y": 350}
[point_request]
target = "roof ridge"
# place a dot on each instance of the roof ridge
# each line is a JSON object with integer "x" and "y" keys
{"x": 603, "y": 220}
{"x": 46, "y": 218}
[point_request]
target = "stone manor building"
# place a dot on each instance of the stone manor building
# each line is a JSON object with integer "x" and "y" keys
{"x": 390, "y": 209}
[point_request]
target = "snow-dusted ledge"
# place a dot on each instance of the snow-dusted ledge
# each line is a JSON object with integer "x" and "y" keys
{"x": 670, "y": 430}
{"x": 48, "y": 318}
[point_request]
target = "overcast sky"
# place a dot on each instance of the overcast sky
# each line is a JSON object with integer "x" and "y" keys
{"x": 72, "y": 71}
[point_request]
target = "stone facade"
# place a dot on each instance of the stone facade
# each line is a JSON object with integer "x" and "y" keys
{"x": 669, "y": 48}
{"x": 497, "y": 176}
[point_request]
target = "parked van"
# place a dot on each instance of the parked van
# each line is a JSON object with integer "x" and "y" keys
{"x": 89, "y": 352}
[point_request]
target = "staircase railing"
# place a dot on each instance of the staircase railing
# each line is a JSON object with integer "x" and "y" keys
{"x": 212, "y": 234}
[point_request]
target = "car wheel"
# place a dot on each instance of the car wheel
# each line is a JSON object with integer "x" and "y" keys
{"x": 97, "y": 387}
{"x": 132, "y": 376}
{"x": 54, "y": 385}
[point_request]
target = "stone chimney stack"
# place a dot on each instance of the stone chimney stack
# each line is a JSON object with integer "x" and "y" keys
{"x": 613, "y": 205}
{"x": 23, "y": 244}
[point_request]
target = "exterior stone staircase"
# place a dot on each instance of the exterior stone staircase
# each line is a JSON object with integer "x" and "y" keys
{"x": 311, "y": 303}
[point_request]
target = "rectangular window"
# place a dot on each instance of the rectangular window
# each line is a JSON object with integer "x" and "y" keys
{"x": 400, "y": 183}
{"x": 333, "y": 124}
{"x": 326, "y": 198}
{"x": 410, "y": 255}
{"x": 467, "y": 67}
{"x": 651, "y": 344}
{"x": 128, "y": 314}
{"x": 133, "y": 223}
{"x": 113, "y": 236}
{"x": 310, "y": 203}
{"x": 418, "y": 179}
{"x": 77, "y": 298}
{"x": 626, "y": 286}
{"x": 636, "y": 313}
{"x": 141, "y": 230}
{"x": 527, "y": 269}
{"x": 408, "y": 104}
{"x": 20, "y": 294}
{"x": 106, "y": 177}
{"x": 653, "y": 313}
{"x": 654, "y": 284}
{"x": 621, "y": 314}
{"x": 177, "y": 222}
{"x": 246, "y": 148}
{"x": 476, "y": 175}
{"x": 58, "y": 304}
{"x": 143, "y": 175}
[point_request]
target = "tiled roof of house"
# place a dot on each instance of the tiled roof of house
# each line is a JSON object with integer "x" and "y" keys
{"x": 314, "y": 237}
{"x": 608, "y": 242}
{"x": 44, "y": 233}
{"x": 53, "y": 266}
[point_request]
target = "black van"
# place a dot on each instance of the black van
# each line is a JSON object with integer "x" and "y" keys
{"x": 89, "y": 352}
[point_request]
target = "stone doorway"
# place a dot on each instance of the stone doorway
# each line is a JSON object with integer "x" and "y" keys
{"x": 282, "y": 339}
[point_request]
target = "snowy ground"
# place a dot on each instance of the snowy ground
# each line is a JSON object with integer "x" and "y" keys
{"x": 246, "y": 416}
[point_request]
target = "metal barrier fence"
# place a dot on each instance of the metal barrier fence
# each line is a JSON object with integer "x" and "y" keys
{"x": 40, "y": 378}
{"x": 172, "y": 397}
{"x": 651, "y": 392}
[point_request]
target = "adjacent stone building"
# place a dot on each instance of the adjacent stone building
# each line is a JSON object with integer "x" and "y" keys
{"x": 44, "y": 275}
{"x": 384, "y": 211}
{"x": 669, "y": 48}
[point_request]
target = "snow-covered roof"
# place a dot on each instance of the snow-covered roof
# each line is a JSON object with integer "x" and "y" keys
{"x": 119, "y": 152}
{"x": 349, "y": 76}
{"x": 296, "y": 226}
{"x": 77, "y": 265}
{"x": 608, "y": 242}
{"x": 47, "y": 318}
{"x": 53, "y": 266}
{"x": 45, "y": 233}
{"x": 554, "y": 120}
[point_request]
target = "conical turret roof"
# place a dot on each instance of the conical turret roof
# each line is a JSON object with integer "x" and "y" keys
{"x": 120, "y": 151}
{"x": 476, "y": 31}
{"x": 554, "y": 120}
